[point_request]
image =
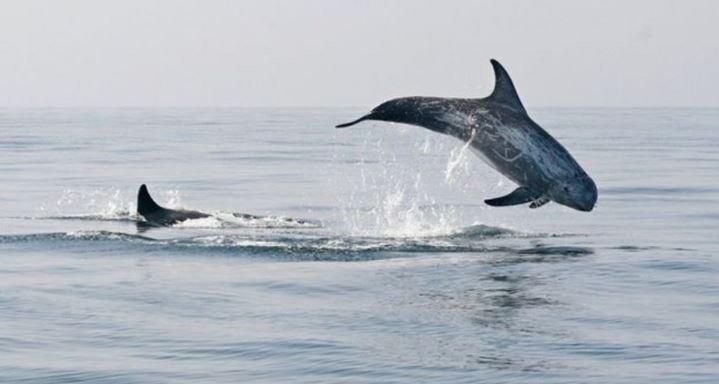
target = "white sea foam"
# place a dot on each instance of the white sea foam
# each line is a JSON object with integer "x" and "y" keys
{"x": 234, "y": 220}
{"x": 204, "y": 222}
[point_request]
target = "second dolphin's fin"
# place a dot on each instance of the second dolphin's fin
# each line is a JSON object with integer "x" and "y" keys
{"x": 520, "y": 195}
{"x": 145, "y": 204}
{"x": 504, "y": 91}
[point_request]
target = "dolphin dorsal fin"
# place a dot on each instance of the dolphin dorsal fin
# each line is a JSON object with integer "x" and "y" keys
{"x": 145, "y": 204}
{"x": 504, "y": 91}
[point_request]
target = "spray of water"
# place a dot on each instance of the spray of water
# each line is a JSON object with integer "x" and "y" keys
{"x": 100, "y": 203}
{"x": 458, "y": 168}
{"x": 393, "y": 197}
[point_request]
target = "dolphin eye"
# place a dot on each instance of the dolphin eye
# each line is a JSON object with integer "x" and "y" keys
{"x": 566, "y": 189}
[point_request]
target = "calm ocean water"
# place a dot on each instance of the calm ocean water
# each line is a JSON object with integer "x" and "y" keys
{"x": 399, "y": 275}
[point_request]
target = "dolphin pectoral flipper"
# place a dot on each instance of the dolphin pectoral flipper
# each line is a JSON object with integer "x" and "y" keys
{"x": 520, "y": 195}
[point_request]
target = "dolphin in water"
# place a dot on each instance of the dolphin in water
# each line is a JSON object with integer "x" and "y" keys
{"x": 500, "y": 132}
{"x": 159, "y": 216}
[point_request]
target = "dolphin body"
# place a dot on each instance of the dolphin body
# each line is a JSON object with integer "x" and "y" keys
{"x": 159, "y": 216}
{"x": 500, "y": 132}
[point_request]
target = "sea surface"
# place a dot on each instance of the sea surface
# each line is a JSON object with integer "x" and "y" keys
{"x": 375, "y": 260}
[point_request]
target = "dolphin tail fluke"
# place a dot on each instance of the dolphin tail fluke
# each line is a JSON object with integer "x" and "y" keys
{"x": 520, "y": 195}
{"x": 351, "y": 123}
{"x": 145, "y": 203}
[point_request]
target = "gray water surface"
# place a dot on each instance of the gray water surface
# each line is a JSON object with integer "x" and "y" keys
{"x": 396, "y": 272}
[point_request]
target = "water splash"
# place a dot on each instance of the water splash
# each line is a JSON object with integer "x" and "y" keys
{"x": 171, "y": 198}
{"x": 90, "y": 203}
{"x": 458, "y": 165}
{"x": 395, "y": 199}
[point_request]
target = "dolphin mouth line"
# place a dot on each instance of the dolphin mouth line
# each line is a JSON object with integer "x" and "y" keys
{"x": 587, "y": 208}
{"x": 351, "y": 123}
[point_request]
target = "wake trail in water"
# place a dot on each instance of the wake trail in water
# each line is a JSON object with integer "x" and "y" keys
{"x": 215, "y": 220}
{"x": 291, "y": 245}
{"x": 108, "y": 205}
{"x": 243, "y": 220}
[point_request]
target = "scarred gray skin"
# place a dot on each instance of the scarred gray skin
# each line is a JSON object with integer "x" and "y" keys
{"x": 500, "y": 132}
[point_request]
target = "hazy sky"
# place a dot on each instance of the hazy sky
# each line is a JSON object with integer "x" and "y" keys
{"x": 356, "y": 53}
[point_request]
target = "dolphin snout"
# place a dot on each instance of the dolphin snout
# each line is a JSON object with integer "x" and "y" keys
{"x": 590, "y": 197}
{"x": 580, "y": 194}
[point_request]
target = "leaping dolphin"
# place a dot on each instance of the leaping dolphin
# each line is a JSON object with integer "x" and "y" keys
{"x": 500, "y": 132}
{"x": 157, "y": 215}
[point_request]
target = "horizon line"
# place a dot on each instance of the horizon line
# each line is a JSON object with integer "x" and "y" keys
{"x": 318, "y": 107}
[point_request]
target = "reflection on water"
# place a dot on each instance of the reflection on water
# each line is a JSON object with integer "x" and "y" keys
{"x": 493, "y": 304}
